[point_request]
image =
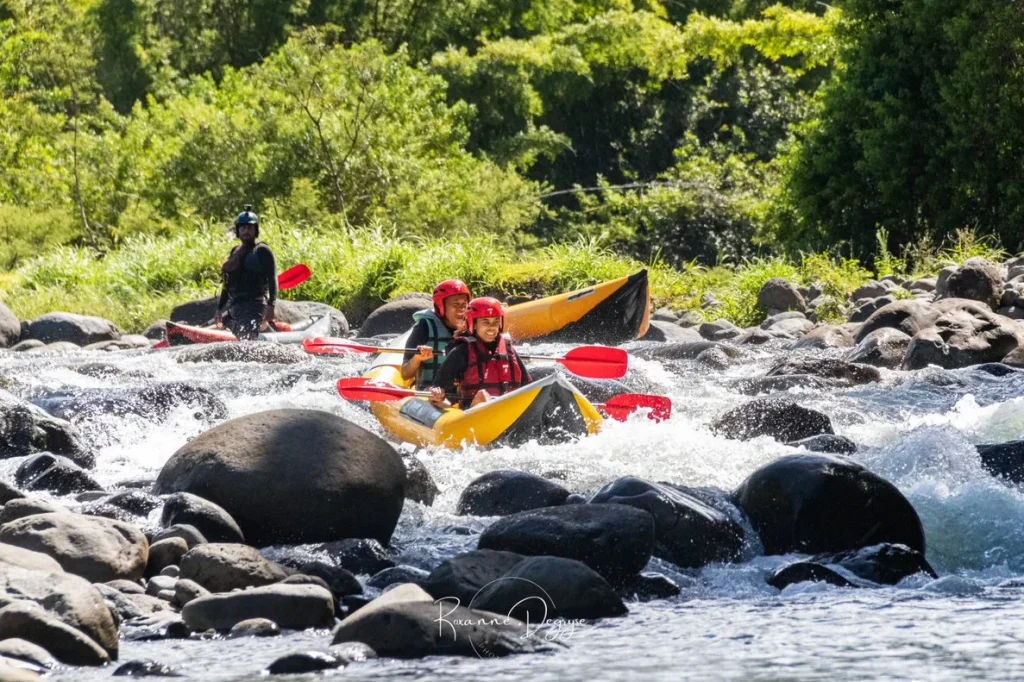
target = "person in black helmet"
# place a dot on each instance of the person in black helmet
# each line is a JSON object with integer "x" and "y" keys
{"x": 250, "y": 281}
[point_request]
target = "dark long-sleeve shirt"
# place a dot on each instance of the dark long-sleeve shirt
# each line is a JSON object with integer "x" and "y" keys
{"x": 456, "y": 363}
{"x": 255, "y": 278}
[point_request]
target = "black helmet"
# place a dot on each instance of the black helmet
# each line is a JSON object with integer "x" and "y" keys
{"x": 247, "y": 217}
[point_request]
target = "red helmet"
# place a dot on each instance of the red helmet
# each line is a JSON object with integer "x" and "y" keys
{"x": 484, "y": 307}
{"x": 449, "y": 287}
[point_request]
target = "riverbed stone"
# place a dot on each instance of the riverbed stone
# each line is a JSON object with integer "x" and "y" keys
{"x": 688, "y": 532}
{"x": 165, "y": 553}
{"x": 821, "y": 503}
{"x": 978, "y": 280}
{"x": 1004, "y": 460}
{"x": 211, "y": 520}
{"x": 826, "y": 442}
{"x": 394, "y": 317}
{"x": 53, "y": 473}
{"x": 255, "y": 627}
{"x": 26, "y": 429}
{"x": 31, "y": 622}
{"x": 615, "y": 540}
{"x": 779, "y": 295}
{"x": 295, "y": 607}
{"x": 190, "y": 534}
{"x": 293, "y": 476}
{"x": 8, "y": 492}
{"x": 463, "y": 576}
{"x": 10, "y": 327}
{"x": 11, "y": 555}
{"x": 68, "y": 327}
{"x": 305, "y": 662}
{"x": 93, "y": 547}
{"x": 779, "y": 418}
{"x": 26, "y": 652}
{"x": 504, "y": 492}
{"x": 221, "y": 567}
{"x": 358, "y": 555}
{"x": 28, "y": 506}
{"x": 145, "y": 669}
{"x": 825, "y": 336}
{"x": 419, "y": 484}
{"x": 884, "y": 347}
{"x": 263, "y": 352}
{"x": 186, "y": 590}
{"x": 968, "y": 335}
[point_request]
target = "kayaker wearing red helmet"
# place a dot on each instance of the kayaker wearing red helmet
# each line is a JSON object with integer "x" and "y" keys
{"x": 434, "y": 330}
{"x": 481, "y": 364}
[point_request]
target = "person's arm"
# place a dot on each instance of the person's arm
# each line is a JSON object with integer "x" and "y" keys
{"x": 223, "y": 300}
{"x": 412, "y": 360}
{"x": 452, "y": 370}
{"x": 269, "y": 265}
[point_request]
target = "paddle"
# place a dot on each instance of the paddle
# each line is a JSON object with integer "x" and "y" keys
{"x": 293, "y": 277}
{"x": 594, "y": 362}
{"x": 619, "y": 407}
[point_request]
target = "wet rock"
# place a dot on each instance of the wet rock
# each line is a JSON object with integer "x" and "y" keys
{"x": 786, "y": 324}
{"x": 305, "y": 662}
{"x": 340, "y": 582}
{"x": 186, "y": 590}
{"x": 259, "y": 469}
{"x": 967, "y": 336}
{"x": 30, "y": 622}
{"x": 976, "y": 280}
{"x": 806, "y": 571}
{"x": 872, "y": 290}
{"x": 778, "y": 294}
{"x": 55, "y": 348}
{"x": 397, "y": 575}
{"x": 885, "y": 564}
{"x": 91, "y": 496}
{"x": 225, "y": 567}
{"x": 713, "y": 358}
{"x": 27, "y": 652}
{"x": 53, "y": 473}
{"x": 171, "y": 571}
{"x": 1005, "y": 460}
{"x": 8, "y": 492}
{"x": 26, "y": 429}
{"x": 165, "y": 553}
{"x": 688, "y": 532}
{"x": 27, "y": 345}
{"x": 126, "y": 586}
{"x": 155, "y": 627}
{"x": 159, "y": 583}
{"x": 107, "y": 511}
{"x": 648, "y": 587}
{"x": 883, "y": 347}
{"x": 77, "y": 329}
{"x": 251, "y": 351}
{"x": 764, "y": 384}
{"x": 190, "y": 534}
{"x": 690, "y": 318}
{"x": 907, "y": 316}
{"x": 419, "y": 484}
{"x": 129, "y": 606}
{"x": 145, "y": 669}
{"x": 664, "y": 314}
{"x": 255, "y": 627}
{"x": 212, "y": 521}
{"x": 28, "y": 506}
{"x": 827, "y": 368}
{"x": 670, "y": 332}
{"x": 755, "y": 337}
{"x": 547, "y": 587}
{"x": 10, "y": 327}
{"x": 613, "y": 539}
{"x": 360, "y": 556}
{"x": 867, "y": 308}
{"x": 135, "y": 501}
{"x": 295, "y": 607}
{"x": 156, "y": 331}
{"x": 825, "y": 336}
{"x": 681, "y": 351}
{"x": 196, "y": 313}
{"x": 95, "y": 548}
{"x": 409, "y": 629}
{"x": 500, "y": 493}
{"x": 824, "y": 503}
{"x": 463, "y": 576}
{"x": 781, "y": 419}
{"x": 394, "y": 317}
{"x": 826, "y": 442}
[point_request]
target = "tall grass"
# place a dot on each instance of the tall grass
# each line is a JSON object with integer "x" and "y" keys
{"x": 356, "y": 270}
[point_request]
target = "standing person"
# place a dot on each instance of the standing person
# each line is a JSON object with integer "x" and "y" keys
{"x": 250, "y": 281}
{"x": 434, "y": 331}
{"x": 481, "y": 364}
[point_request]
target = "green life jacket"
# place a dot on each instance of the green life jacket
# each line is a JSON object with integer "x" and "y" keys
{"x": 440, "y": 337}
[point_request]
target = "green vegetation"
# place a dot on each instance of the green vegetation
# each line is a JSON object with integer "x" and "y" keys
{"x": 527, "y": 145}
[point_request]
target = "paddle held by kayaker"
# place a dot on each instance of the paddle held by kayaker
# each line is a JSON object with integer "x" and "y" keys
{"x": 434, "y": 331}
{"x": 250, "y": 281}
{"x": 481, "y": 364}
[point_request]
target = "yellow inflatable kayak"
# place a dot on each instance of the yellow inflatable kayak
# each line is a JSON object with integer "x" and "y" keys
{"x": 609, "y": 313}
{"x": 547, "y": 410}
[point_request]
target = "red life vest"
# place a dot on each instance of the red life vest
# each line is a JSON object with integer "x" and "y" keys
{"x": 497, "y": 372}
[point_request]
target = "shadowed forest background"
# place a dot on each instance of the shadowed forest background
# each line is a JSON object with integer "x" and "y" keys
{"x": 525, "y": 145}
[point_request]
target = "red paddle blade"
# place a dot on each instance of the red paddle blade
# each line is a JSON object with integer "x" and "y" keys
{"x": 293, "y": 277}
{"x": 374, "y": 391}
{"x": 621, "y": 406}
{"x": 326, "y": 345}
{"x": 596, "y": 362}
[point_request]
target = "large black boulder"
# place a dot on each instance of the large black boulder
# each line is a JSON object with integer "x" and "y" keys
{"x": 615, "y": 540}
{"x": 463, "y": 576}
{"x": 781, "y": 419}
{"x": 1005, "y": 460}
{"x": 689, "y": 532}
{"x": 293, "y": 476}
{"x": 824, "y": 503}
{"x": 882, "y": 564}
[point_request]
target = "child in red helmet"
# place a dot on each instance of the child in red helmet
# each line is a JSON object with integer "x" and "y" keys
{"x": 481, "y": 364}
{"x": 434, "y": 330}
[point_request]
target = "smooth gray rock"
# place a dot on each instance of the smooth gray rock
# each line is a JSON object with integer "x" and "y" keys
{"x": 295, "y": 607}
{"x": 225, "y": 567}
